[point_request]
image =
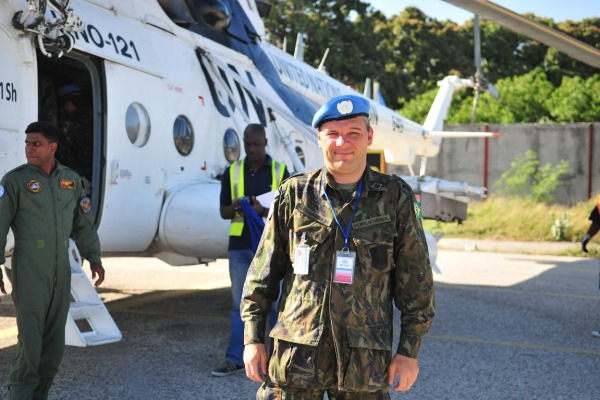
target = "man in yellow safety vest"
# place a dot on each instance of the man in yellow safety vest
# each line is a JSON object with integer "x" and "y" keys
{"x": 254, "y": 175}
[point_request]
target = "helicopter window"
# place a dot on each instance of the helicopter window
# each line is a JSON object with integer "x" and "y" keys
{"x": 231, "y": 145}
{"x": 183, "y": 135}
{"x": 137, "y": 124}
{"x": 300, "y": 154}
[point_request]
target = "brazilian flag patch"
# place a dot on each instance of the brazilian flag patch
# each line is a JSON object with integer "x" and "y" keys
{"x": 417, "y": 206}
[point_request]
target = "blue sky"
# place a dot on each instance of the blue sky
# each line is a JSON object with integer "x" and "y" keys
{"x": 559, "y": 10}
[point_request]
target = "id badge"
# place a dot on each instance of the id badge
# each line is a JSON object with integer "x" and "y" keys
{"x": 344, "y": 267}
{"x": 302, "y": 257}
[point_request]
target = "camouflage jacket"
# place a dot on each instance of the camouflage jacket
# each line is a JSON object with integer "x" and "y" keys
{"x": 392, "y": 266}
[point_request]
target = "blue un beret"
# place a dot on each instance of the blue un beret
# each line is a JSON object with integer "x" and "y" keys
{"x": 341, "y": 107}
{"x": 68, "y": 89}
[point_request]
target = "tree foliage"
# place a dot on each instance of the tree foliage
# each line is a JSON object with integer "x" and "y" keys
{"x": 529, "y": 179}
{"x": 409, "y": 52}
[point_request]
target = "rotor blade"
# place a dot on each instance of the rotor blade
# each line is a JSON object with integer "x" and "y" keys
{"x": 477, "y": 44}
{"x": 475, "y": 100}
{"x": 525, "y": 26}
{"x": 493, "y": 91}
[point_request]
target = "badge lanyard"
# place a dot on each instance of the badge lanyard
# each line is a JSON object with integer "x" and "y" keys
{"x": 346, "y": 232}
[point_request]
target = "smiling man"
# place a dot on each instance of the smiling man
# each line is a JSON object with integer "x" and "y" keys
{"x": 348, "y": 245}
{"x": 44, "y": 204}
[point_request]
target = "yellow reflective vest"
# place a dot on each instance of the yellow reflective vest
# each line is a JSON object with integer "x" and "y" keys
{"x": 236, "y": 177}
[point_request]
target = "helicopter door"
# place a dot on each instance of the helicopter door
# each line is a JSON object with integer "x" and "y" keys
{"x": 134, "y": 158}
{"x": 18, "y": 97}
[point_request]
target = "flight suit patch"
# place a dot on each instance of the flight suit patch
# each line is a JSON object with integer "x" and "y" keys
{"x": 1, "y": 190}
{"x": 34, "y": 186}
{"x": 85, "y": 205}
{"x": 67, "y": 184}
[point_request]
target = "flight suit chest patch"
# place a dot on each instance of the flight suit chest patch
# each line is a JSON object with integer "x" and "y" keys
{"x": 67, "y": 184}
{"x": 34, "y": 186}
{"x": 1, "y": 190}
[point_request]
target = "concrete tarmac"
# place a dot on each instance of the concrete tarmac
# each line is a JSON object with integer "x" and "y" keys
{"x": 508, "y": 326}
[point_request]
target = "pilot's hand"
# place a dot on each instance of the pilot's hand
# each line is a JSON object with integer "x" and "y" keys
{"x": 2, "y": 289}
{"x": 97, "y": 268}
{"x": 584, "y": 243}
{"x": 255, "y": 360}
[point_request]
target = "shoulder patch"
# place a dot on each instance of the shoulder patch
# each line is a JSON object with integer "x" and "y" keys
{"x": 85, "y": 205}
{"x": 417, "y": 206}
{"x": 34, "y": 186}
{"x": 1, "y": 190}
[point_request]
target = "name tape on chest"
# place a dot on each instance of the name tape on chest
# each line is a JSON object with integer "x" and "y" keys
{"x": 67, "y": 184}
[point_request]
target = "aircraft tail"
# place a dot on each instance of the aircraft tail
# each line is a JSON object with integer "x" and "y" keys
{"x": 439, "y": 109}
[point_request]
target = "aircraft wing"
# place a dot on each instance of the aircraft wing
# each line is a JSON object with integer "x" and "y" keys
{"x": 525, "y": 26}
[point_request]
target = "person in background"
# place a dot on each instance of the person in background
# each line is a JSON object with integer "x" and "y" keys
{"x": 591, "y": 232}
{"x": 254, "y": 175}
{"x": 348, "y": 243}
{"x": 77, "y": 132}
{"x": 45, "y": 205}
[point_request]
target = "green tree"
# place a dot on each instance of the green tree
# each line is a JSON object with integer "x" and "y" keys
{"x": 529, "y": 179}
{"x": 576, "y": 100}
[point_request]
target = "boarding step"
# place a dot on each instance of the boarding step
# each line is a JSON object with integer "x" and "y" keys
{"x": 89, "y": 323}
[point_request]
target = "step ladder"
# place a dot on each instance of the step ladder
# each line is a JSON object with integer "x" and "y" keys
{"x": 89, "y": 323}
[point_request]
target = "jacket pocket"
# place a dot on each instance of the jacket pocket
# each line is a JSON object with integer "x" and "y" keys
{"x": 315, "y": 234}
{"x": 292, "y": 362}
{"x": 375, "y": 248}
{"x": 368, "y": 362}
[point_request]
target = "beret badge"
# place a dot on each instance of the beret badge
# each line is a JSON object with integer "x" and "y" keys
{"x": 345, "y": 107}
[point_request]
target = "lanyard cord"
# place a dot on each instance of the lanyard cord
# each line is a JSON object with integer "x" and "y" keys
{"x": 345, "y": 232}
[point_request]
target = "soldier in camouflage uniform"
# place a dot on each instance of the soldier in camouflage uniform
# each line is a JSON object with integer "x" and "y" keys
{"x": 348, "y": 245}
{"x": 44, "y": 204}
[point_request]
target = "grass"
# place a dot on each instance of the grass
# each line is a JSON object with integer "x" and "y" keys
{"x": 499, "y": 218}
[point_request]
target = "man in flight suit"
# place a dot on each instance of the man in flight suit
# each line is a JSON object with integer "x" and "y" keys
{"x": 44, "y": 204}
{"x": 348, "y": 244}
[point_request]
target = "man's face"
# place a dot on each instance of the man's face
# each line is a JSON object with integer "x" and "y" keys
{"x": 255, "y": 144}
{"x": 344, "y": 144}
{"x": 38, "y": 150}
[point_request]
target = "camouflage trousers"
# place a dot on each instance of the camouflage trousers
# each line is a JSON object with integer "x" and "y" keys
{"x": 268, "y": 392}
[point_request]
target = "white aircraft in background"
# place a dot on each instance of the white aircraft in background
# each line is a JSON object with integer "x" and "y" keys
{"x": 171, "y": 84}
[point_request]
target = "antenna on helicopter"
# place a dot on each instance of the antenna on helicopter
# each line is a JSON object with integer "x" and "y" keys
{"x": 480, "y": 82}
{"x": 299, "y": 49}
{"x": 322, "y": 64}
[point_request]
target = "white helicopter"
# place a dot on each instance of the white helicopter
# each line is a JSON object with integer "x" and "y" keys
{"x": 170, "y": 86}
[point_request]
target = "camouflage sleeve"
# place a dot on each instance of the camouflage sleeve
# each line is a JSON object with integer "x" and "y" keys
{"x": 84, "y": 230}
{"x": 414, "y": 293}
{"x": 8, "y": 201}
{"x": 268, "y": 267}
